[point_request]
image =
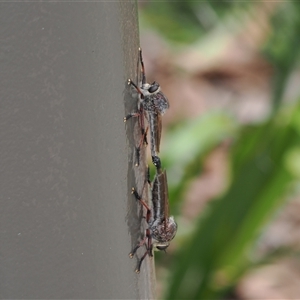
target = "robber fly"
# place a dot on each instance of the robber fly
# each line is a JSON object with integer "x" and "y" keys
{"x": 152, "y": 104}
{"x": 161, "y": 227}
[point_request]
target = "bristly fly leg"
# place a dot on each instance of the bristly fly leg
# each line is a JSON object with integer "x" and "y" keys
{"x": 147, "y": 236}
{"x": 138, "y": 197}
{"x": 138, "y": 148}
{"x": 143, "y": 67}
{"x": 139, "y": 114}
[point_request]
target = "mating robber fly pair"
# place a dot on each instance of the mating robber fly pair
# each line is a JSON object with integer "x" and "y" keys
{"x": 152, "y": 104}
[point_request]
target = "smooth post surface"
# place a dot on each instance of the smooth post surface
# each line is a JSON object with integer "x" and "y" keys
{"x": 67, "y": 218}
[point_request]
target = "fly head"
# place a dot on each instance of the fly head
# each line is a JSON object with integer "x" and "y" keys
{"x": 163, "y": 231}
{"x": 154, "y": 88}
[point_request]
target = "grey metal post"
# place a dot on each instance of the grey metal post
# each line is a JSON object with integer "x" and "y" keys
{"x": 67, "y": 218}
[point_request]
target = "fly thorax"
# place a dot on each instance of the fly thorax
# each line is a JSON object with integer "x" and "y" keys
{"x": 161, "y": 103}
{"x": 148, "y": 104}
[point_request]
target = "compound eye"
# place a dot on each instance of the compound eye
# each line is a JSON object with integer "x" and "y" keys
{"x": 153, "y": 88}
{"x": 162, "y": 247}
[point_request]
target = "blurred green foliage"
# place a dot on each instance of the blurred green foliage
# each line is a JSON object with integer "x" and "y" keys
{"x": 282, "y": 47}
{"x": 188, "y": 146}
{"x": 184, "y": 22}
{"x": 217, "y": 253}
{"x": 264, "y": 158}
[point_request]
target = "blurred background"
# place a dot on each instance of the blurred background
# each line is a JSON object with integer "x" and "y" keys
{"x": 231, "y": 145}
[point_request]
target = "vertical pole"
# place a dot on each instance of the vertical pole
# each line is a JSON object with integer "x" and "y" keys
{"x": 67, "y": 218}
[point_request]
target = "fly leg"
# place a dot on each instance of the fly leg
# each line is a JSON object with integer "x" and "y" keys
{"x": 143, "y": 139}
{"x": 138, "y": 197}
{"x": 140, "y": 244}
{"x": 141, "y": 110}
{"x": 140, "y": 114}
{"x": 138, "y": 149}
{"x": 143, "y": 67}
{"x": 132, "y": 114}
{"x": 147, "y": 252}
{"x": 147, "y": 237}
{"x": 142, "y": 125}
